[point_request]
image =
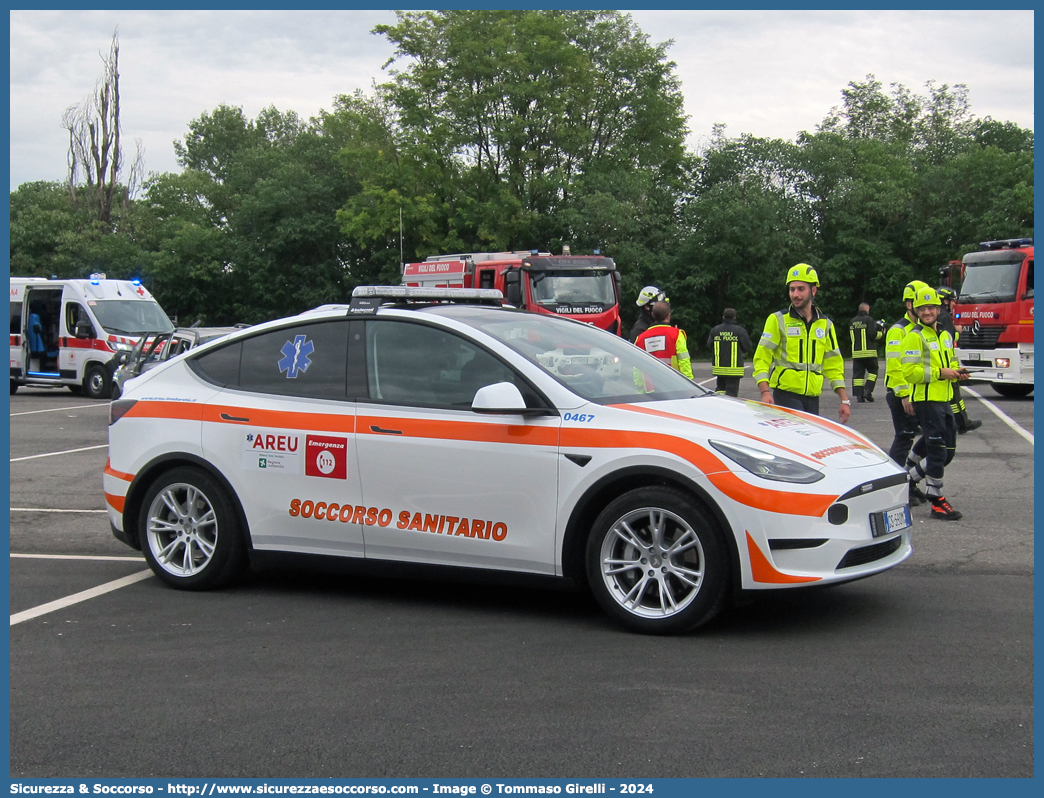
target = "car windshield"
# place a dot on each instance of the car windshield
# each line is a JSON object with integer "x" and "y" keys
{"x": 572, "y": 288}
{"x": 131, "y": 316}
{"x": 593, "y": 363}
{"x": 987, "y": 283}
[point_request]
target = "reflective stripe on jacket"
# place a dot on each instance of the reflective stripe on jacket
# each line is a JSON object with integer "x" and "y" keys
{"x": 865, "y": 335}
{"x": 894, "y": 377}
{"x": 796, "y": 356}
{"x": 729, "y": 343}
{"x": 668, "y": 344}
{"x": 925, "y": 353}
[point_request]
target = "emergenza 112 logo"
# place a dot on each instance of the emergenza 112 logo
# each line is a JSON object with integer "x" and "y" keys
{"x": 326, "y": 457}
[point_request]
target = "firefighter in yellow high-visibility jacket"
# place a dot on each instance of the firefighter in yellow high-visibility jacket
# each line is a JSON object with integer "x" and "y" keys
{"x": 798, "y": 350}
{"x": 931, "y": 368}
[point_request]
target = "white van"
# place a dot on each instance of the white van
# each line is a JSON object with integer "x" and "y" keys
{"x": 66, "y": 332}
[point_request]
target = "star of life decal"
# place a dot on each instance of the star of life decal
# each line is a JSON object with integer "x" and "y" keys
{"x": 295, "y": 356}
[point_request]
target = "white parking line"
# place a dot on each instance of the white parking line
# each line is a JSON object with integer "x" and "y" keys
{"x": 60, "y": 409}
{"x": 76, "y": 598}
{"x": 52, "y": 454}
{"x": 42, "y": 510}
{"x": 105, "y": 557}
{"x": 1001, "y": 415}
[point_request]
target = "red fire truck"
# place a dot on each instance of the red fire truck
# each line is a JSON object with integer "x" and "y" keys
{"x": 994, "y": 313}
{"x": 582, "y": 287}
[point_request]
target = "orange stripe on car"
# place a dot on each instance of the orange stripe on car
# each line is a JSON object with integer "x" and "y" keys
{"x": 189, "y": 411}
{"x": 115, "y": 502}
{"x": 840, "y": 429}
{"x": 478, "y": 432}
{"x": 703, "y": 423}
{"x": 112, "y": 472}
{"x": 761, "y": 570}
{"x": 257, "y": 417}
{"x": 776, "y": 501}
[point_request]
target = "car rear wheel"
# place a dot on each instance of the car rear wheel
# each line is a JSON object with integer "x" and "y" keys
{"x": 656, "y": 563}
{"x": 96, "y": 383}
{"x": 190, "y": 532}
{"x": 14, "y": 387}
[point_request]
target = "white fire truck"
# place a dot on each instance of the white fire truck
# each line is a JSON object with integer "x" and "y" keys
{"x": 67, "y": 332}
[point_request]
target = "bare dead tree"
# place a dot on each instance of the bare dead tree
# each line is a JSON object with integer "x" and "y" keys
{"x": 95, "y": 157}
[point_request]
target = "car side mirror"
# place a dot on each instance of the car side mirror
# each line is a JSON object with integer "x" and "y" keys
{"x": 513, "y": 288}
{"x": 501, "y": 397}
{"x": 83, "y": 329}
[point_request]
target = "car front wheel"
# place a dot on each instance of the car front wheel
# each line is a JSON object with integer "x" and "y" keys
{"x": 1012, "y": 391}
{"x": 96, "y": 383}
{"x": 656, "y": 563}
{"x": 190, "y": 532}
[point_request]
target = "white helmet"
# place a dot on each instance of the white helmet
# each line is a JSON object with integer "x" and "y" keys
{"x": 650, "y": 294}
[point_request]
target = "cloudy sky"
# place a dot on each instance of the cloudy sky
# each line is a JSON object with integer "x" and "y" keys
{"x": 767, "y": 73}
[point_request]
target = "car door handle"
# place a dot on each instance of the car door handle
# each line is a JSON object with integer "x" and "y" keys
{"x": 227, "y": 417}
{"x": 385, "y": 431}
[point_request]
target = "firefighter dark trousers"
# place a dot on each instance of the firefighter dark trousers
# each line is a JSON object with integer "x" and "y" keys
{"x": 796, "y": 401}
{"x": 940, "y": 432}
{"x": 905, "y": 428}
{"x": 729, "y": 386}
{"x": 864, "y": 376}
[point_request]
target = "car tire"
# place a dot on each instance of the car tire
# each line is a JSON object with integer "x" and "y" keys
{"x": 14, "y": 387}
{"x": 96, "y": 383}
{"x": 190, "y": 532}
{"x": 1012, "y": 391}
{"x": 656, "y": 562}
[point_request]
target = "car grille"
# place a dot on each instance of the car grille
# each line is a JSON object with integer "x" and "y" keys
{"x": 865, "y": 554}
{"x": 985, "y": 338}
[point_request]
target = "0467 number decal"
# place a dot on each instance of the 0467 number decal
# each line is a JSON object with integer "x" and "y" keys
{"x": 581, "y": 417}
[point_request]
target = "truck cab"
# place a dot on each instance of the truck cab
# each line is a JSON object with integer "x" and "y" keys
{"x": 994, "y": 314}
{"x": 581, "y": 287}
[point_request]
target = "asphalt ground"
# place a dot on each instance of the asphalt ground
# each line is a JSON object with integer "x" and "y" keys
{"x": 926, "y": 670}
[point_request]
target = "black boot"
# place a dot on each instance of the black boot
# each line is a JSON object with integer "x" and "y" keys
{"x": 965, "y": 424}
{"x": 867, "y": 396}
{"x": 917, "y": 496}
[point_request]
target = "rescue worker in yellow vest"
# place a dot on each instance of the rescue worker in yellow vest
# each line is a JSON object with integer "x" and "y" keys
{"x": 865, "y": 332}
{"x": 897, "y": 393}
{"x": 729, "y": 343}
{"x": 930, "y": 366}
{"x": 798, "y": 350}
{"x": 666, "y": 342}
{"x": 960, "y": 411}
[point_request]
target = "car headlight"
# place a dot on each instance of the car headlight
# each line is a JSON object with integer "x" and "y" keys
{"x": 119, "y": 346}
{"x": 768, "y": 466}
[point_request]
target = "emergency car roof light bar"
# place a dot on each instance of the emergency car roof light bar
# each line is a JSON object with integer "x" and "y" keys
{"x": 97, "y": 277}
{"x": 1007, "y": 243}
{"x": 367, "y": 298}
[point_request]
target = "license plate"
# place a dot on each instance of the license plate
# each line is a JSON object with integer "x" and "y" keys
{"x": 972, "y": 356}
{"x": 890, "y": 521}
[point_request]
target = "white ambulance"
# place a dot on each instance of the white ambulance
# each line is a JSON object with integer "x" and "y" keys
{"x": 67, "y": 332}
{"x": 432, "y": 427}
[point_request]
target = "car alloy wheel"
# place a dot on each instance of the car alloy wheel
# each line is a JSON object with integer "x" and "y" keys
{"x": 190, "y": 531}
{"x": 655, "y": 564}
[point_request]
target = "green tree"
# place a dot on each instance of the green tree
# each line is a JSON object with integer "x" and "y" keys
{"x": 505, "y": 122}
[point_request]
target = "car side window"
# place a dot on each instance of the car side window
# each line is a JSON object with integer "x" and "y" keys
{"x": 307, "y": 360}
{"x": 415, "y": 364}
